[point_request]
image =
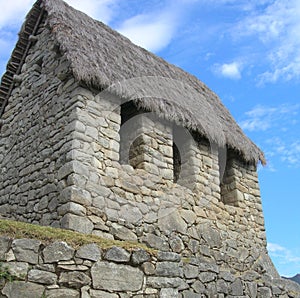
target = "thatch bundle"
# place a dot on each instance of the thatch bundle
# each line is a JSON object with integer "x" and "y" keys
{"x": 102, "y": 58}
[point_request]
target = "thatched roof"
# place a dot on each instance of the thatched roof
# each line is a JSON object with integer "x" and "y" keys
{"x": 101, "y": 57}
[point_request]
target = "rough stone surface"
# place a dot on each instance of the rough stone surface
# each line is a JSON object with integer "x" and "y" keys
{"x": 74, "y": 279}
{"x": 110, "y": 276}
{"x": 117, "y": 254}
{"x": 57, "y": 251}
{"x": 26, "y": 250}
{"x": 42, "y": 277}
{"x": 164, "y": 274}
{"x": 89, "y": 252}
{"x": 21, "y": 289}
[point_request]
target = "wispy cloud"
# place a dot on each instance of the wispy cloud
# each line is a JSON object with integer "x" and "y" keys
{"x": 283, "y": 255}
{"x": 154, "y": 30}
{"x": 289, "y": 152}
{"x": 261, "y": 118}
{"x": 277, "y": 25}
{"x": 228, "y": 70}
{"x": 102, "y": 10}
{"x": 13, "y": 12}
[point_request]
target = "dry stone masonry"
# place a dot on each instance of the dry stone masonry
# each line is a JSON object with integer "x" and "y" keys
{"x": 78, "y": 156}
{"x": 34, "y": 269}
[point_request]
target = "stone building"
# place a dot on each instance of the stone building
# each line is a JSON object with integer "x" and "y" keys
{"x": 99, "y": 136}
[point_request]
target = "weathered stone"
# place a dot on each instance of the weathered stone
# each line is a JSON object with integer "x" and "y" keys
{"x": 61, "y": 293}
{"x": 22, "y": 289}
{"x": 102, "y": 294}
{"x": 72, "y": 267}
{"x": 163, "y": 282}
{"x": 156, "y": 242}
{"x": 176, "y": 244}
{"x": 139, "y": 256}
{"x": 168, "y": 256}
{"x": 130, "y": 213}
{"x": 42, "y": 277}
{"x": 26, "y": 250}
{"x": 251, "y": 289}
{"x": 4, "y": 246}
{"x": 73, "y": 208}
{"x": 77, "y": 223}
{"x": 190, "y": 271}
{"x": 117, "y": 254}
{"x": 207, "y": 276}
{"x": 264, "y": 292}
{"x": 57, "y": 251}
{"x": 189, "y": 294}
{"x": 148, "y": 268}
{"x": 198, "y": 287}
{"x": 222, "y": 286}
{"x": 237, "y": 288}
{"x": 168, "y": 292}
{"x": 168, "y": 269}
{"x": 210, "y": 235}
{"x": 89, "y": 252}
{"x": 17, "y": 269}
{"x": 116, "y": 277}
{"x": 123, "y": 233}
{"x": 170, "y": 220}
{"x": 74, "y": 279}
{"x": 227, "y": 276}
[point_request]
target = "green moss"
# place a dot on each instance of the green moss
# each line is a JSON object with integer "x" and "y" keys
{"x": 15, "y": 229}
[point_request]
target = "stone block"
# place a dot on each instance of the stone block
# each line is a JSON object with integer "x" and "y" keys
{"x": 159, "y": 282}
{"x": 26, "y": 250}
{"x": 89, "y": 252}
{"x": 42, "y": 277}
{"x": 102, "y": 294}
{"x": 117, "y": 254}
{"x": 22, "y": 289}
{"x": 57, "y": 251}
{"x": 61, "y": 293}
{"x": 116, "y": 277}
{"x": 169, "y": 269}
{"x": 168, "y": 292}
{"x": 74, "y": 279}
{"x": 122, "y": 233}
{"x": 140, "y": 256}
{"x": 77, "y": 223}
{"x": 190, "y": 271}
{"x": 4, "y": 246}
{"x": 17, "y": 269}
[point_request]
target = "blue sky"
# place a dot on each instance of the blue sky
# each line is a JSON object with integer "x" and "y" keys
{"x": 248, "y": 52}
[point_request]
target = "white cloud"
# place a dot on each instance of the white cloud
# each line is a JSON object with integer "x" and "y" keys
{"x": 99, "y": 9}
{"x": 230, "y": 70}
{"x": 261, "y": 118}
{"x": 150, "y": 31}
{"x": 277, "y": 25}
{"x": 283, "y": 254}
{"x": 13, "y": 12}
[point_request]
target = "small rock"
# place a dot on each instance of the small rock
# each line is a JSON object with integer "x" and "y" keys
{"x": 117, "y": 254}
{"x": 57, "y": 251}
{"x": 140, "y": 256}
{"x": 89, "y": 252}
{"x": 42, "y": 277}
{"x": 26, "y": 250}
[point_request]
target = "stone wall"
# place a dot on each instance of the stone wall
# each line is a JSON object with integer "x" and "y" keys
{"x": 35, "y": 135}
{"x": 60, "y": 166}
{"x": 30, "y": 268}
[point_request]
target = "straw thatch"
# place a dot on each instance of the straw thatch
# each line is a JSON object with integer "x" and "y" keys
{"x": 101, "y": 57}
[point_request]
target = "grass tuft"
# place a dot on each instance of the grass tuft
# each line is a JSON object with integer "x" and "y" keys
{"x": 15, "y": 229}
